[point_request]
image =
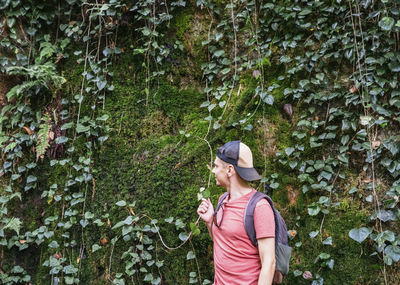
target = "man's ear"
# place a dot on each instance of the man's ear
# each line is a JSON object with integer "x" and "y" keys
{"x": 231, "y": 170}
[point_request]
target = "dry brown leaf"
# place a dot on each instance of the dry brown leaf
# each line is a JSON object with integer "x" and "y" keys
{"x": 57, "y": 255}
{"x": 104, "y": 241}
{"x": 28, "y": 130}
{"x": 51, "y": 135}
{"x": 353, "y": 89}
{"x": 376, "y": 144}
{"x": 307, "y": 275}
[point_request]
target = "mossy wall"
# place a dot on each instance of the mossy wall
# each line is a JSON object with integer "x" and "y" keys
{"x": 157, "y": 158}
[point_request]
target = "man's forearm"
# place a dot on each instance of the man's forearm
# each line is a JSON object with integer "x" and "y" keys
{"x": 267, "y": 272}
{"x": 209, "y": 227}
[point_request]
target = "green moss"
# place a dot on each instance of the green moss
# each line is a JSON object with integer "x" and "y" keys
{"x": 182, "y": 23}
{"x": 347, "y": 254}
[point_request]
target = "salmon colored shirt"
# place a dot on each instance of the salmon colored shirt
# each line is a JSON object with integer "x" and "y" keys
{"x": 236, "y": 260}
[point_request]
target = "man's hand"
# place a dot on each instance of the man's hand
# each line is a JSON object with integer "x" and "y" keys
{"x": 206, "y": 211}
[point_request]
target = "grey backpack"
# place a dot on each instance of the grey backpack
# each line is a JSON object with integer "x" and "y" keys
{"x": 282, "y": 248}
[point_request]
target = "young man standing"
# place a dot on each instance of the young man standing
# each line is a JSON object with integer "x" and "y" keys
{"x": 236, "y": 260}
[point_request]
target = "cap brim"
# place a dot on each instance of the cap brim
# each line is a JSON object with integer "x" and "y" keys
{"x": 248, "y": 174}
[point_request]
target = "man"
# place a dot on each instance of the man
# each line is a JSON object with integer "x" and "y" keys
{"x": 236, "y": 259}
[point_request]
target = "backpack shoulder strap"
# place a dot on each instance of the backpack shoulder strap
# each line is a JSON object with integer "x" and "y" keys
{"x": 221, "y": 200}
{"x": 249, "y": 216}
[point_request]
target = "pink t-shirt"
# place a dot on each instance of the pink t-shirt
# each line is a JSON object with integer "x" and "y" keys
{"x": 236, "y": 260}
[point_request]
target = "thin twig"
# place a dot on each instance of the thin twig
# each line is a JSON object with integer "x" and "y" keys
{"x": 197, "y": 263}
{"x": 234, "y": 59}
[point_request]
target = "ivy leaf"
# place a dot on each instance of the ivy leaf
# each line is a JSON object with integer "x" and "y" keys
{"x": 89, "y": 215}
{"x": 211, "y": 107}
{"x": 314, "y": 209}
{"x": 149, "y": 277}
{"x": 394, "y": 252}
{"x": 303, "y": 83}
{"x": 219, "y": 53}
{"x": 169, "y": 220}
{"x": 190, "y": 255}
{"x": 386, "y": 23}
{"x": 31, "y": 179}
{"x": 218, "y": 36}
{"x": 101, "y": 84}
{"x": 81, "y": 128}
{"x": 320, "y": 76}
{"x": 313, "y": 234}
{"x": 330, "y": 263}
{"x": 205, "y": 104}
{"x": 54, "y": 244}
{"x": 289, "y": 151}
{"x": 225, "y": 70}
{"x": 297, "y": 273}
{"x": 146, "y": 31}
{"x": 328, "y": 241}
{"x": 324, "y": 255}
{"x": 103, "y": 118}
{"x": 305, "y": 12}
{"x": 248, "y": 127}
{"x": 121, "y": 203}
{"x": 70, "y": 269}
{"x": 84, "y": 223}
{"x": 385, "y": 216}
{"x": 393, "y": 147}
{"x": 359, "y": 235}
{"x": 61, "y": 140}
{"x": 394, "y": 66}
{"x": 353, "y": 190}
{"x": 95, "y": 247}
{"x": 10, "y": 22}
{"x": 183, "y": 236}
{"x": 206, "y": 194}
{"x": 268, "y": 99}
{"x": 128, "y": 220}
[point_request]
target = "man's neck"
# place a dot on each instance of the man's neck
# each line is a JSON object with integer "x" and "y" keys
{"x": 238, "y": 190}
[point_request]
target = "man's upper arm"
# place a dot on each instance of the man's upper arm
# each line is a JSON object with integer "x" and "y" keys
{"x": 266, "y": 248}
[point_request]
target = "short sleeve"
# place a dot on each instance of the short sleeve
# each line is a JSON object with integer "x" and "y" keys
{"x": 264, "y": 222}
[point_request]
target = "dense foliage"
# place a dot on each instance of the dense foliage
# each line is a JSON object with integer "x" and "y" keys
{"x": 111, "y": 112}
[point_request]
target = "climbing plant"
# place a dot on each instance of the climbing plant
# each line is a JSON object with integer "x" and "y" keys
{"x": 320, "y": 76}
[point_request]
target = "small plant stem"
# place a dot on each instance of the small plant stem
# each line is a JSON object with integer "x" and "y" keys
{"x": 110, "y": 259}
{"x": 84, "y": 71}
{"x": 234, "y": 59}
{"x": 197, "y": 263}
